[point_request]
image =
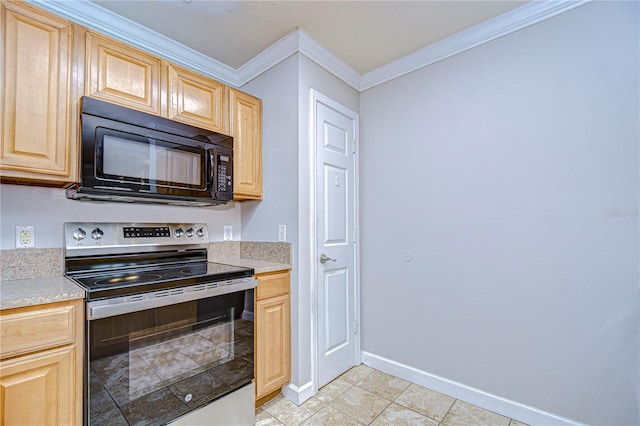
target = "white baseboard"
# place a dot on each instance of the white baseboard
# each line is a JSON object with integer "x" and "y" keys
{"x": 505, "y": 407}
{"x": 296, "y": 394}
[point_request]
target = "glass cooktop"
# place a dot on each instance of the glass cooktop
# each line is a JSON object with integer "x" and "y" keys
{"x": 139, "y": 280}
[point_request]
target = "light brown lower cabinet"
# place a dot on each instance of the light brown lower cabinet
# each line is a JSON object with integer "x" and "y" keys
{"x": 41, "y": 364}
{"x": 272, "y": 334}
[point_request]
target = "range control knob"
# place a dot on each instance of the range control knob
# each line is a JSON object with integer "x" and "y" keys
{"x": 97, "y": 234}
{"x": 178, "y": 232}
{"x": 79, "y": 234}
{"x": 200, "y": 232}
{"x": 189, "y": 232}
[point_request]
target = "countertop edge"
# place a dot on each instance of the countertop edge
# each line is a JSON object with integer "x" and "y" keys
{"x": 38, "y": 291}
{"x": 258, "y": 266}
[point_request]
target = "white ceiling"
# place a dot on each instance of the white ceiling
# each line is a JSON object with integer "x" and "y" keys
{"x": 364, "y": 34}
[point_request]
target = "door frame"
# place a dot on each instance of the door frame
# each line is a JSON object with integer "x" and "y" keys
{"x": 315, "y": 98}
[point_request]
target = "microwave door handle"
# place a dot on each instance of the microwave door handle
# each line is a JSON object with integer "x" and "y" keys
{"x": 212, "y": 169}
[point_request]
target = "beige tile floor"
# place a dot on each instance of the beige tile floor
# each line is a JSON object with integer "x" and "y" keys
{"x": 366, "y": 396}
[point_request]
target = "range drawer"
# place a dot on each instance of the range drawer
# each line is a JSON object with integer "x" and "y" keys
{"x": 35, "y": 328}
{"x": 271, "y": 285}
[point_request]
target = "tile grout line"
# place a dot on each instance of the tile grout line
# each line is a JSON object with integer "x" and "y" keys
{"x": 339, "y": 410}
{"x": 328, "y": 404}
{"x": 445, "y": 414}
{"x": 415, "y": 411}
{"x": 381, "y": 412}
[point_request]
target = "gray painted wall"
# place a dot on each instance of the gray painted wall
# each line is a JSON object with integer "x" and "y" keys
{"x": 510, "y": 172}
{"x": 48, "y": 209}
{"x": 278, "y": 90}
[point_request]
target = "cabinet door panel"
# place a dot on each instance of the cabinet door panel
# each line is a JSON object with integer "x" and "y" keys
{"x": 246, "y": 129}
{"x": 121, "y": 74}
{"x": 39, "y": 389}
{"x": 196, "y": 100}
{"x": 273, "y": 344}
{"x": 36, "y": 105}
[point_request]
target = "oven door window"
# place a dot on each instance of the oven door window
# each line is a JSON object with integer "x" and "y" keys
{"x": 153, "y": 366}
{"x": 124, "y": 157}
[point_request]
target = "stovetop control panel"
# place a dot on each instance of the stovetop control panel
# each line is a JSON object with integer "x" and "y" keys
{"x": 79, "y": 235}
{"x": 146, "y": 231}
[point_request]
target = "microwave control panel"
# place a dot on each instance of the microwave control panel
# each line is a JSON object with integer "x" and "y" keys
{"x": 224, "y": 174}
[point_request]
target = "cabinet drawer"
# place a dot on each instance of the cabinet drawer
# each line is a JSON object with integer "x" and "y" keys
{"x": 271, "y": 285}
{"x": 32, "y": 329}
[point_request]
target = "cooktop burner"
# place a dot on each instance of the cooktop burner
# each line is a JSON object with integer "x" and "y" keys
{"x": 126, "y": 279}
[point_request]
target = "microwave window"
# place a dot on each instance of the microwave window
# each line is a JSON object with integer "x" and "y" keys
{"x": 150, "y": 161}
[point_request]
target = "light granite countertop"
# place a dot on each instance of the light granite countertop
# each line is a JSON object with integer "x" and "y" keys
{"x": 38, "y": 291}
{"x": 263, "y": 257}
{"x": 35, "y": 277}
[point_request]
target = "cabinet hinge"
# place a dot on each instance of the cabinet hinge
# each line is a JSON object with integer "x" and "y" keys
{"x": 354, "y": 235}
{"x": 355, "y": 327}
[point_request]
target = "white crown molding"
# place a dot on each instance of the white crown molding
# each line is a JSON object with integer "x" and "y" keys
{"x": 298, "y": 41}
{"x": 270, "y": 57}
{"x": 319, "y": 54}
{"x": 484, "y": 32}
{"x": 104, "y": 21}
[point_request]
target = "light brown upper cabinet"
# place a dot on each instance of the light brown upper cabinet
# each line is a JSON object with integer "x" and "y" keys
{"x": 245, "y": 115}
{"x": 122, "y": 75}
{"x": 127, "y": 76}
{"x": 48, "y": 63}
{"x": 37, "y": 109}
{"x": 196, "y": 100}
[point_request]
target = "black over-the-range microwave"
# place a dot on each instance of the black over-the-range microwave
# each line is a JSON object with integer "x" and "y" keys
{"x": 131, "y": 156}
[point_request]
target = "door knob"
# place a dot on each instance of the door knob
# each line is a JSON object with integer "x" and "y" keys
{"x": 324, "y": 258}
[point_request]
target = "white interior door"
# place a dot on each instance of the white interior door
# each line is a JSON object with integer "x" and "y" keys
{"x": 336, "y": 239}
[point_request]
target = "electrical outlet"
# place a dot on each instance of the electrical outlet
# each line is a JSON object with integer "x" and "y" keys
{"x": 228, "y": 233}
{"x": 25, "y": 236}
{"x": 282, "y": 232}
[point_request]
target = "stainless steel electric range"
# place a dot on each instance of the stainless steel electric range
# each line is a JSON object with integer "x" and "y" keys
{"x": 166, "y": 336}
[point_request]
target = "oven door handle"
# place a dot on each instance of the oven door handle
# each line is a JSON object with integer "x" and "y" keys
{"x": 139, "y": 302}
